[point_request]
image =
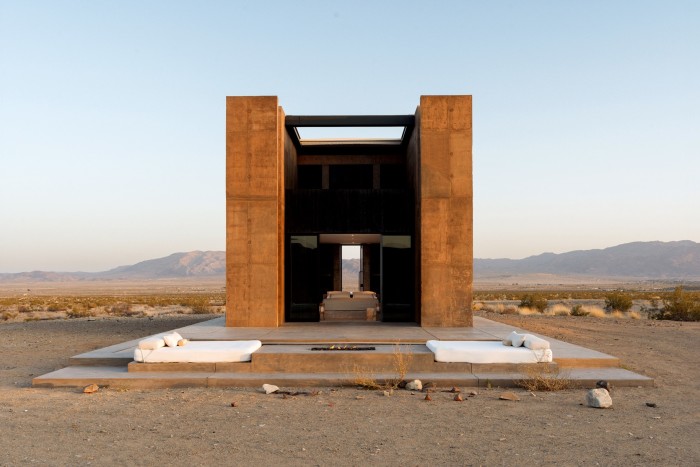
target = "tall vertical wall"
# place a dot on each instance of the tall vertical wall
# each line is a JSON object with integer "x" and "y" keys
{"x": 254, "y": 211}
{"x": 445, "y": 195}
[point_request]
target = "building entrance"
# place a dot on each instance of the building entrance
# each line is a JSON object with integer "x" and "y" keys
{"x": 385, "y": 271}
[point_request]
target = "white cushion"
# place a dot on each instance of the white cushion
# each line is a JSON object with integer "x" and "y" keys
{"x": 152, "y": 343}
{"x": 515, "y": 339}
{"x": 201, "y": 352}
{"x": 535, "y": 343}
{"x": 485, "y": 352}
{"x": 172, "y": 339}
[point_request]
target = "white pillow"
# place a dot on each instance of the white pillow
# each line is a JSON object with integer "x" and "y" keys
{"x": 516, "y": 340}
{"x": 152, "y": 343}
{"x": 535, "y": 343}
{"x": 172, "y": 339}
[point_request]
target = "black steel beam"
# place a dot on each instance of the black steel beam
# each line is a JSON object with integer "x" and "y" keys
{"x": 349, "y": 120}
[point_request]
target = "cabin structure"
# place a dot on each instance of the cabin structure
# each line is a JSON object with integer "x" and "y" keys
{"x": 293, "y": 202}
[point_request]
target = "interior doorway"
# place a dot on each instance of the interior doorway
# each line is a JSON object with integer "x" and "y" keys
{"x": 351, "y": 268}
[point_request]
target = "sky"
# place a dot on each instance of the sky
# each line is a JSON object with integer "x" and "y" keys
{"x": 586, "y": 119}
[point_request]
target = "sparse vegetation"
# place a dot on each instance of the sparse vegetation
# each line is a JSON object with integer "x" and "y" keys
{"x": 577, "y": 310}
{"x": 559, "y": 309}
{"x": 545, "y": 378}
{"x": 680, "y": 306}
{"x": 533, "y": 300}
{"x": 618, "y": 301}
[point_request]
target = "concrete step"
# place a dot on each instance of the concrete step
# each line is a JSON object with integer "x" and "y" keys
{"x": 81, "y": 376}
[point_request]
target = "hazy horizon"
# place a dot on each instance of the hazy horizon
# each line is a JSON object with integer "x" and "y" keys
{"x": 113, "y": 115}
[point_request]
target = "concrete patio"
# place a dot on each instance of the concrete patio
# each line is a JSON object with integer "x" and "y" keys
{"x": 286, "y": 359}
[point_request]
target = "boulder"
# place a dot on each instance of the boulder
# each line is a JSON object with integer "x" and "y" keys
{"x": 270, "y": 388}
{"x": 598, "y": 398}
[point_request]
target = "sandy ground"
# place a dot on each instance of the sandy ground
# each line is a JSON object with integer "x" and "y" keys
{"x": 348, "y": 426}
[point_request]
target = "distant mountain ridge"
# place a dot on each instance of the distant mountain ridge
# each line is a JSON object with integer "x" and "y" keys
{"x": 663, "y": 260}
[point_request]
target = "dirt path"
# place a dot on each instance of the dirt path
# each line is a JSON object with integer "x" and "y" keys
{"x": 348, "y": 426}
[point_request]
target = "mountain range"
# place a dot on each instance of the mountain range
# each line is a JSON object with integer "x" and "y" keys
{"x": 662, "y": 260}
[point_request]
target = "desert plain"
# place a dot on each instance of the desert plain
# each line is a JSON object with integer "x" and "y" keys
{"x": 348, "y": 425}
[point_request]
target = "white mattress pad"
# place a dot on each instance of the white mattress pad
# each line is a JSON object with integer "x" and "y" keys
{"x": 486, "y": 352}
{"x": 200, "y": 352}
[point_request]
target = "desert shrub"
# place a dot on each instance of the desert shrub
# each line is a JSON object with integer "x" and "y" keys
{"x": 525, "y": 311}
{"x": 24, "y": 308}
{"x": 536, "y": 301}
{"x": 121, "y": 309}
{"x": 619, "y": 301}
{"x": 510, "y": 310}
{"x": 594, "y": 311}
{"x": 545, "y": 378}
{"x": 578, "y": 310}
{"x": 617, "y": 314}
{"x": 79, "y": 312}
{"x": 8, "y": 314}
{"x": 559, "y": 309}
{"x": 680, "y": 306}
{"x": 477, "y": 306}
{"x": 633, "y": 315}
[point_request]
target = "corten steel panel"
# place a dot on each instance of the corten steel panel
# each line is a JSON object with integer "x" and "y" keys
{"x": 445, "y": 194}
{"x": 254, "y": 211}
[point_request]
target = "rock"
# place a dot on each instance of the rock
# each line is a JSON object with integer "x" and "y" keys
{"x": 429, "y": 385}
{"x": 270, "y": 388}
{"x": 602, "y": 384}
{"x": 458, "y": 397}
{"x": 90, "y": 389}
{"x": 455, "y": 389}
{"x": 473, "y": 393}
{"x": 428, "y": 398}
{"x": 414, "y": 385}
{"x": 402, "y": 384}
{"x": 234, "y": 404}
{"x": 651, "y": 404}
{"x": 598, "y": 398}
{"x": 389, "y": 392}
{"x": 509, "y": 396}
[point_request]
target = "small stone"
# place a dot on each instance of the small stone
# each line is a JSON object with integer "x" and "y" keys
{"x": 458, "y": 397}
{"x": 414, "y": 385}
{"x": 427, "y": 397}
{"x": 429, "y": 386}
{"x": 90, "y": 389}
{"x": 598, "y": 398}
{"x": 270, "y": 388}
{"x": 402, "y": 384}
{"x": 651, "y": 404}
{"x": 473, "y": 393}
{"x": 234, "y": 404}
{"x": 509, "y": 396}
{"x": 455, "y": 389}
{"x": 389, "y": 392}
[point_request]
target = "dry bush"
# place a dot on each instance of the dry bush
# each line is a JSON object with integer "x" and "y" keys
{"x": 524, "y": 311}
{"x": 121, "y": 309}
{"x": 633, "y": 315}
{"x": 24, "y": 308}
{"x": 617, "y": 314}
{"x": 545, "y": 378}
{"x": 80, "y": 312}
{"x": 364, "y": 378}
{"x": 510, "y": 310}
{"x": 577, "y": 310}
{"x": 594, "y": 311}
{"x": 477, "y": 306}
{"x": 7, "y": 315}
{"x": 403, "y": 358}
{"x": 558, "y": 309}
{"x": 534, "y": 300}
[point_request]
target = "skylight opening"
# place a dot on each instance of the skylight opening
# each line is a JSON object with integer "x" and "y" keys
{"x": 342, "y": 133}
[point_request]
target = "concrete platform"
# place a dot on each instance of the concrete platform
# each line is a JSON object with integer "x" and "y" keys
{"x": 286, "y": 359}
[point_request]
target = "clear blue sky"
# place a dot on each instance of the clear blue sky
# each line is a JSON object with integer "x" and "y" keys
{"x": 586, "y": 114}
